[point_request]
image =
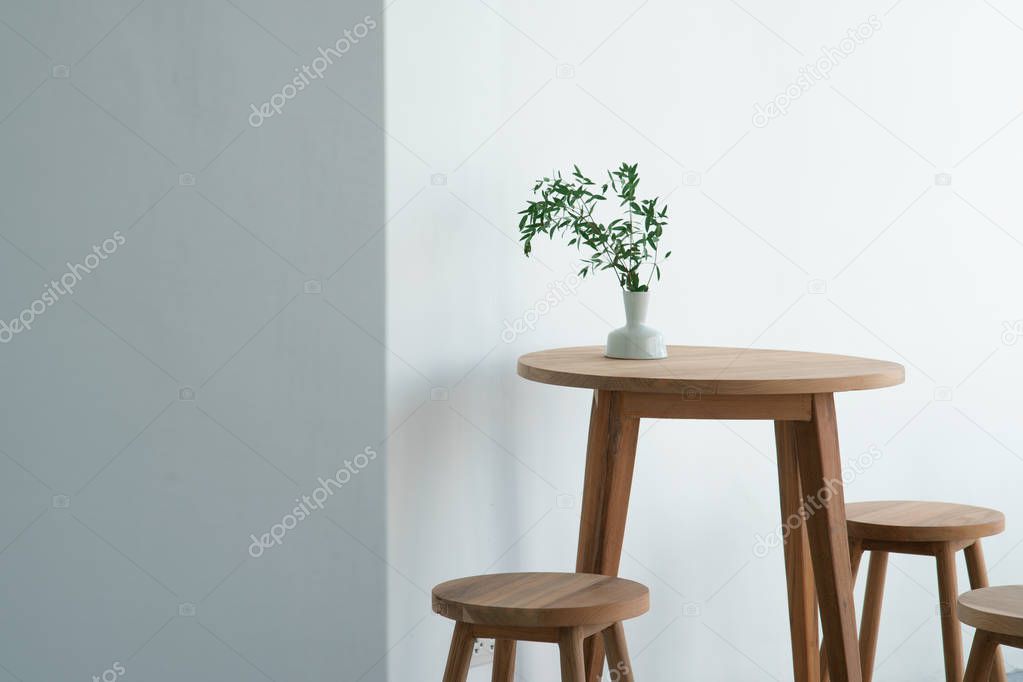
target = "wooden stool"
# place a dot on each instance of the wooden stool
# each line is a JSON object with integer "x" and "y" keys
{"x": 561, "y": 608}
{"x": 997, "y": 613}
{"x": 935, "y": 529}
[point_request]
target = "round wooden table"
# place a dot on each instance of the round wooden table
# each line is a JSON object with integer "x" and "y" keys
{"x": 795, "y": 390}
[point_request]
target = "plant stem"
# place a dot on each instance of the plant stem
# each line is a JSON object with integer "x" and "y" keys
{"x": 633, "y": 264}
{"x": 652, "y": 270}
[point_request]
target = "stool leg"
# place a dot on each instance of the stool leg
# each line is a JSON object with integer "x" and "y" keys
{"x": 460, "y": 654}
{"x": 982, "y": 657}
{"x": 951, "y": 633}
{"x": 504, "y": 661}
{"x": 573, "y": 668}
{"x": 618, "y": 654}
{"x": 855, "y": 556}
{"x": 871, "y": 619}
{"x": 977, "y": 569}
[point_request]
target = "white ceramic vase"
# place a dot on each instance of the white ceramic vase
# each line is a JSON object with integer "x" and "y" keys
{"x": 636, "y": 341}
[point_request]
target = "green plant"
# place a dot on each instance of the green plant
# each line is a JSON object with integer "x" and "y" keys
{"x": 625, "y": 245}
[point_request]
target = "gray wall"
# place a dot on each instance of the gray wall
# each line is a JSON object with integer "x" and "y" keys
{"x": 207, "y": 370}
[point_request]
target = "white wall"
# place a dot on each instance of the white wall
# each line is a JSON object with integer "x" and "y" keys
{"x": 840, "y": 189}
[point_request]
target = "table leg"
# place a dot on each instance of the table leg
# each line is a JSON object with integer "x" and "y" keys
{"x": 856, "y": 550}
{"x": 798, "y": 570}
{"x": 610, "y": 456}
{"x": 820, "y": 471}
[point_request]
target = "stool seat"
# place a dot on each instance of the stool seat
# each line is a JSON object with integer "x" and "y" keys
{"x": 936, "y": 529}
{"x": 561, "y": 608}
{"x": 906, "y": 521}
{"x": 994, "y": 609}
{"x": 544, "y": 600}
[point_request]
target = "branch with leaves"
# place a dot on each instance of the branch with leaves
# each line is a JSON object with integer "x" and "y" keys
{"x": 626, "y": 245}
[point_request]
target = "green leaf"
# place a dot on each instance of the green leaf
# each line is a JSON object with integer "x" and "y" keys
{"x": 566, "y": 208}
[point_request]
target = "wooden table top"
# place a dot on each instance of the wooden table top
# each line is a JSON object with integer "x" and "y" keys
{"x": 710, "y": 370}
